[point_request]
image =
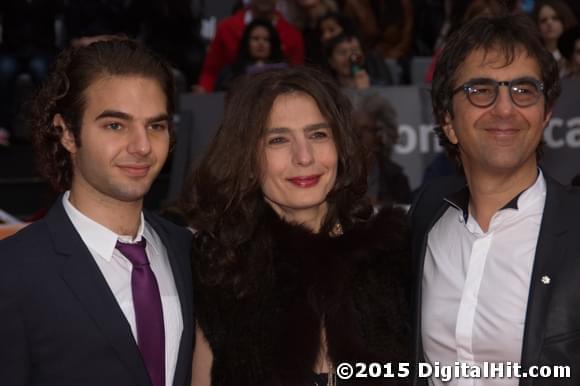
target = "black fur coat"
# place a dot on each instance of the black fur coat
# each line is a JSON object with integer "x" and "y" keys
{"x": 353, "y": 285}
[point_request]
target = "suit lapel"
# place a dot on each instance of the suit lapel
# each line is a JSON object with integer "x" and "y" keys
{"x": 178, "y": 269}
{"x": 86, "y": 281}
{"x": 548, "y": 259}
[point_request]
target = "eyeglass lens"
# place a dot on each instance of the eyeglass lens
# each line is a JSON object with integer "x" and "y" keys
{"x": 523, "y": 92}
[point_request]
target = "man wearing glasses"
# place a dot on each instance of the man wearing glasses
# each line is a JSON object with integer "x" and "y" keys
{"x": 496, "y": 251}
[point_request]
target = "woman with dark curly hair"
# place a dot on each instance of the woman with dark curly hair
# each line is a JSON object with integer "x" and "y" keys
{"x": 293, "y": 272}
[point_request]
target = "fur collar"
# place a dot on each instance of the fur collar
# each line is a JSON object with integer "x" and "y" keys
{"x": 347, "y": 286}
{"x": 329, "y": 281}
{"x": 385, "y": 232}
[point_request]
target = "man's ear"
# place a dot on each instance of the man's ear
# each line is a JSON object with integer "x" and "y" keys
{"x": 67, "y": 139}
{"x": 449, "y": 130}
{"x": 547, "y": 117}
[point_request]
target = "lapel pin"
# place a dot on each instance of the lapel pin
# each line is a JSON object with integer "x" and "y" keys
{"x": 546, "y": 279}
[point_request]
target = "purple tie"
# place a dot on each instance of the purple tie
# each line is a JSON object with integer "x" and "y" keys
{"x": 148, "y": 311}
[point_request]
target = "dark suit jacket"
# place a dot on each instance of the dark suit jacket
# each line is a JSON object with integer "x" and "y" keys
{"x": 552, "y": 324}
{"x": 60, "y": 324}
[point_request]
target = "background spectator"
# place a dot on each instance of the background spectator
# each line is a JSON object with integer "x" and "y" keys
{"x": 569, "y": 46}
{"x": 553, "y": 17}
{"x": 375, "y": 121}
{"x": 386, "y": 26}
{"x": 333, "y": 24}
{"x": 329, "y": 25}
{"x": 259, "y": 50}
{"x": 224, "y": 48}
{"x": 304, "y": 14}
{"x": 351, "y": 67}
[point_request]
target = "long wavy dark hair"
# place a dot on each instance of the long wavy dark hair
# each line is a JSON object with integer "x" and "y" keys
{"x": 245, "y": 58}
{"x": 563, "y": 11}
{"x": 224, "y": 200}
{"x": 63, "y": 92}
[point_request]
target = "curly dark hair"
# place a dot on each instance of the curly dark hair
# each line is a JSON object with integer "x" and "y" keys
{"x": 224, "y": 200}
{"x": 63, "y": 92}
{"x": 506, "y": 33}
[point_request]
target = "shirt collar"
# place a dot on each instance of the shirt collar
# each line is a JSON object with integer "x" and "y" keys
{"x": 460, "y": 198}
{"x": 97, "y": 237}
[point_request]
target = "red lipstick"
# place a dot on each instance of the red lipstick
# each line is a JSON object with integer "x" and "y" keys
{"x": 305, "y": 181}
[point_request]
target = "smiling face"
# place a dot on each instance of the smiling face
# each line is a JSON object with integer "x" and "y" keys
{"x": 502, "y": 137}
{"x": 298, "y": 160}
{"x": 124, "y": 139}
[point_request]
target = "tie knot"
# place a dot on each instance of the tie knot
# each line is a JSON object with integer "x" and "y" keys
{"x": 135, "y": 252}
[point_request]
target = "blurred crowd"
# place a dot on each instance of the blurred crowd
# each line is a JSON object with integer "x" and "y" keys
{"x": 361, "y": 43}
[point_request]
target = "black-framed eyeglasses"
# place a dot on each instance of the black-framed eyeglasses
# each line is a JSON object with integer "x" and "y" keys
{"x": 482, "y": 92}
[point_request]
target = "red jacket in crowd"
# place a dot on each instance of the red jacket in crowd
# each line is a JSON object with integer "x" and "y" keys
{"x": 224, "y": 47}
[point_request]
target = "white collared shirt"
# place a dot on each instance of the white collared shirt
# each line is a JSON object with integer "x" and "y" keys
{"x": 475, "y": 284}
{"x": 117, "y": 269}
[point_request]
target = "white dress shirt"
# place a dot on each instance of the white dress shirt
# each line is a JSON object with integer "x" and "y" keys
{"x": 116, "y": 269}
{"x": 475, "y": 284}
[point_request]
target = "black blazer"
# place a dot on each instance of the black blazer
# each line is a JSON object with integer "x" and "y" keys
{"x": 552, "y": 324}
{"x": 60, "y": 324}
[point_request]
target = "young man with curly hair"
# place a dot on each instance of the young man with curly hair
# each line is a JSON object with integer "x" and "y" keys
{"x": 99, "y": 291}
